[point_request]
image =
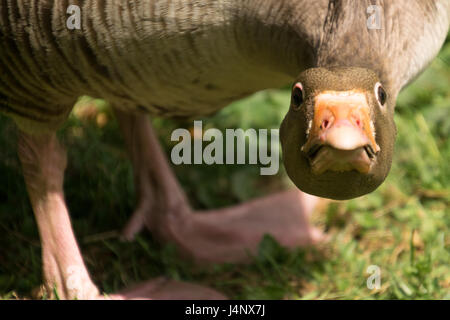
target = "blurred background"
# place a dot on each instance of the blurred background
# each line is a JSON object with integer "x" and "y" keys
{"x": 403, "y": 227}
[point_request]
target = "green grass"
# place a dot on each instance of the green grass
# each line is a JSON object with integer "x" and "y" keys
{"x": 403, "y": 227}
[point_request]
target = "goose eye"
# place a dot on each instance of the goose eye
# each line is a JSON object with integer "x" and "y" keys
{"x": 380, "y": 94}
{"x": 297, "y": 95}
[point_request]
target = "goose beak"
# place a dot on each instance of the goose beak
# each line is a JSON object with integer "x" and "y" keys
{"x": 341, "y": 135}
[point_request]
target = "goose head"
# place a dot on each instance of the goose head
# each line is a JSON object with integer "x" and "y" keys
{"x": 338, "y": 135}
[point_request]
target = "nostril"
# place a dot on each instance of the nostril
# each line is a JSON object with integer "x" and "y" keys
{"x": 356, "y": 118}
{"x": 324, "y": 124}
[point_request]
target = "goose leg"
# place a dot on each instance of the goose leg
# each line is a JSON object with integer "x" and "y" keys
{"x": 43, "y": 163}
{"x": 224, "y": 235}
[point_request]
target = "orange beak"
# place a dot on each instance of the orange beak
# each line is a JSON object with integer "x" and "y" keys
{"x": 341, "y": 136}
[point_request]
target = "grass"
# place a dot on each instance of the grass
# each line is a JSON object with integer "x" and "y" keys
{"x": 403, "y": 227}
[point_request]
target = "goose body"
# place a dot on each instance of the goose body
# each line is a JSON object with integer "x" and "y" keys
{"x": 191, "y": 57}
{"x": 183, "y": 58}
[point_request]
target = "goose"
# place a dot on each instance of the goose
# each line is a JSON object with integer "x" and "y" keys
{"x": 346, "y": 60}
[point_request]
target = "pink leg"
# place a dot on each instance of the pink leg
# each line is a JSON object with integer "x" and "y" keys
{"x": 225, "y": 235}
{"x": 164, "y": 289}
{"x": 43, "y": 163}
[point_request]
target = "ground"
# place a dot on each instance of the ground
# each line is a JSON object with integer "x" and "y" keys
{"x": 403, "y": 227}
